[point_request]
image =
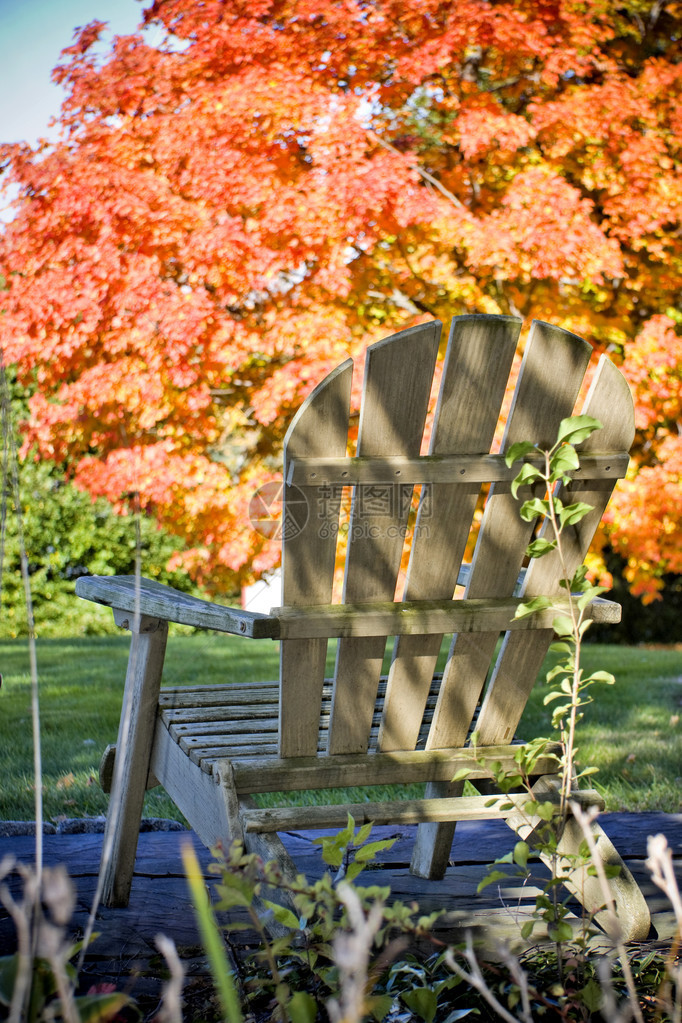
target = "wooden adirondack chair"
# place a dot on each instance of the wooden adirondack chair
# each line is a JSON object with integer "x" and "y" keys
{"x": 213, "y": 747}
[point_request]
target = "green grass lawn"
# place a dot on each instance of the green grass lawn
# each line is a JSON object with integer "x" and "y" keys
{"x": 632, "y": 732}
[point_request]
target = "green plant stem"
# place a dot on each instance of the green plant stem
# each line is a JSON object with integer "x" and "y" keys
{"x": 211, "y": 939}
{"x": 270, "y": 958}
{"x": 584, "y": 821}
{"x": 567, "y": 735}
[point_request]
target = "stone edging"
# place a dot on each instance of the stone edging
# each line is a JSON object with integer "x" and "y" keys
{"x": 81, "y": 826}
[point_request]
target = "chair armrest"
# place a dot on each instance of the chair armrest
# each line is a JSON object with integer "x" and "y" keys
{"x": 124, "y": 593}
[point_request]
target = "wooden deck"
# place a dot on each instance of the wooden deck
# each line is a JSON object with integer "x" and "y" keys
{"x": 125, "y": 953}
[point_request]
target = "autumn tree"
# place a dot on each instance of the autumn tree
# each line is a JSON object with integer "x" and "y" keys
{"x": 279, "y": 182}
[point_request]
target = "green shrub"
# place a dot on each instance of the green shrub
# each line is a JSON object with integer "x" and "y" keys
{"x": 68, "y": 535}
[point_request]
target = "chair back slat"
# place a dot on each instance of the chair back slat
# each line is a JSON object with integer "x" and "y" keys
{"x": 310, "y": 526}
{"x": 520, "y": 659}
{"x": 395, "y": 398}
{"x": 475, "y": 375}
{"x": 551, "y": 374}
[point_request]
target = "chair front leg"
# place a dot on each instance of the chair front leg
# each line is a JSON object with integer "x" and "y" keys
{"x": 133, "y": 752}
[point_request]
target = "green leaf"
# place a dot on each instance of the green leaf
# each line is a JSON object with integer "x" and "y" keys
{"x": 332, "y": 854}
{"x": 591, "y": 995}
{"x": 368, "y": 852}
{"x": 604, "y": 677}
{"x": 572, "y": 513}
{"x": 462, "y": 774}
{"x": 521, "y": 854}
{"x": 353, "y": 870}
{"x": 302, "y": 1007}
{"x": 528, "y": 474}
{"x": 556, "y": 694}
{"x": 562, "y": 625}
{"x": 346, "y": 836}
{"x": 491, "y": 878}
{"x": 379, "y": 1006}
{"x": 611, "y": 870}
{"x": 588, "y": 595}
{"x": 8, "y": 976}
{"x": 527, "y": 929}
{"x": 519, "y": 450}
{"x": 561, "y": 648}
{"x": 540, "y": 603}
{"x": 282, "y": 914}
{"x": 576, "y": 429}
{"x": 363, "y": 834}
{"x": 545, "y": 811}
{"x": 231, "y": 897}
{"x": 560, "y": 931}
{"x": 564, "y": 459}
{"x": 538, "y": 548}
{"x": 560, "y": 712}
{"x": 578, "y": 580}
{"x": 560, "y": 669}
{"x": 530, "y": 510}
{"x": 422, "y": 1001}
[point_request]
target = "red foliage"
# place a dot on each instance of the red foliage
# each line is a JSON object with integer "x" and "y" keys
{"x": 232, "y": 212}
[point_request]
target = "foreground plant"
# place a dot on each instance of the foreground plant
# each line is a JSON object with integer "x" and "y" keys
{"x": 570, "y": 684}
{"x": 38, "y": 982}
{"x": 544, "y": 819}
{"x": 345, "y": 969}
{"x": 323, "y": 945}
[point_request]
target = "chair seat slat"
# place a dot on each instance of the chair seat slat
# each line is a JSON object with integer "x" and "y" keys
{"x": 403, "y": 766}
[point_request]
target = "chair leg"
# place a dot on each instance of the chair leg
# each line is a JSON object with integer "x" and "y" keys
{"x": 133, "y": 752}
{"x": 270, "y": 847}
{"x": 431, "y": 852}
{"x": 633, "y": 920}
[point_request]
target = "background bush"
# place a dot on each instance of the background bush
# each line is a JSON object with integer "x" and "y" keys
{"x": 67, "y": 535}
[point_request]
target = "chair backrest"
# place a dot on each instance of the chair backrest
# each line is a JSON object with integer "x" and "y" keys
{"x": 399, "y": 376}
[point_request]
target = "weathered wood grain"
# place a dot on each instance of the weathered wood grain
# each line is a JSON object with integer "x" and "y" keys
{"x": 398, "y": 811}
{"x": 320, "y": 427}
{"x": 410, "y": 766}
{"x": 552, "y": 370}
{"x": 392, "y": 415}
{"x": 214, "y": 746}
{"x": 423, "y": 617}
{"x": 147, "y": 597}
{"x": 136, "y": 729}
{"x": 609, "y": 400}
{"x": 432, "y": 468}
